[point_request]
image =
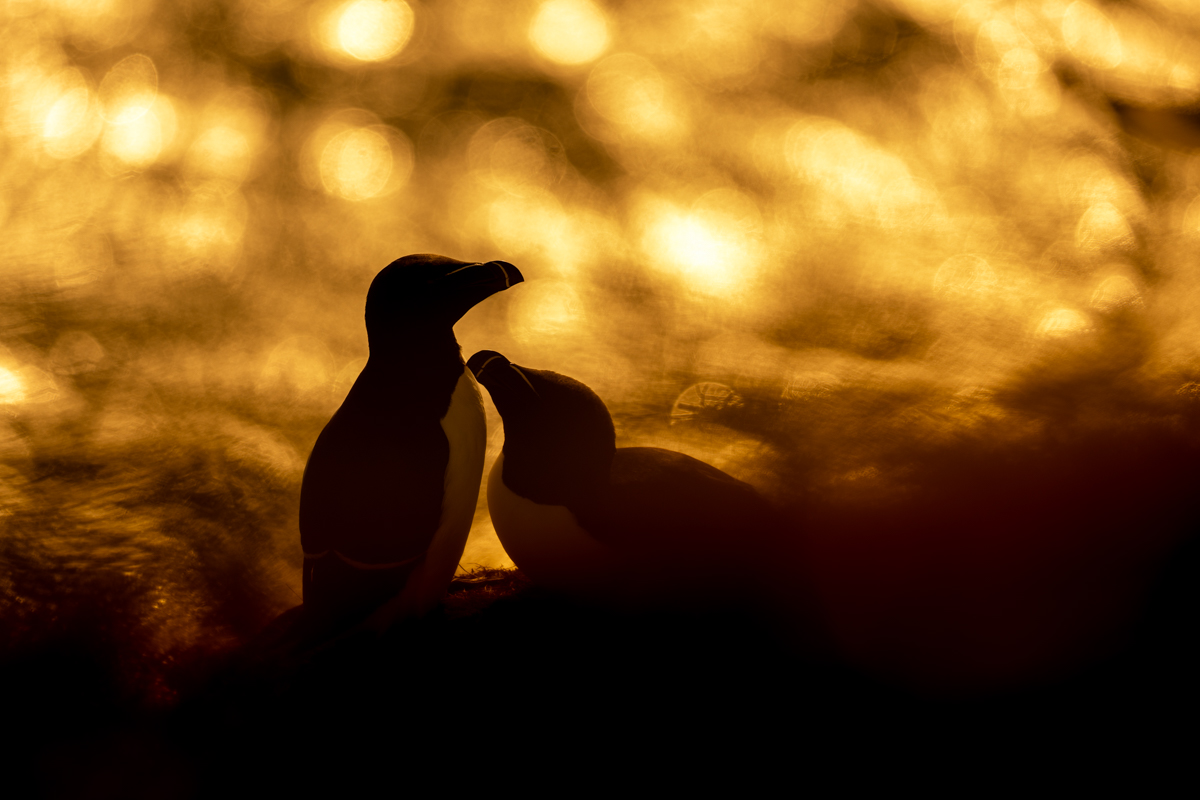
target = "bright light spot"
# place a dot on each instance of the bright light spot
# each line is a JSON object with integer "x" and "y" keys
{"x": 1091, "y": 36}
{"x": 569, "y": 31}
{"x": 137, "y": 144}
{"x": 1101, "y": 227}
{"x": 965, "y": 274}
{"x": 694, "y": 248}
{"x": 356, "y": 164}
{"x": 714, "y": 248}
{"x": 1116, "y": 292}
{"x": 38, "y": 386}
{"x": 128, "y": 90}
{"x": 68, "y": 114}
{"x": 546, "y": 311}
{"x": 71, "y": 122}
{"x": 846, "y": 165}
{"x": 1063, "y": 322}
{"x": 373, "y": 30}
{"x": 12, "y": 388}
{"x": 220, "y": 152}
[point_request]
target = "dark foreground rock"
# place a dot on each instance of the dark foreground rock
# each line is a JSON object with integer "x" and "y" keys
{"x": 510, "y": 686}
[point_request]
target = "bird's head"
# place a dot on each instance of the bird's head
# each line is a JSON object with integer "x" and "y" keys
{"x": 421, "y": 294}
{"x": 559, "y": 439}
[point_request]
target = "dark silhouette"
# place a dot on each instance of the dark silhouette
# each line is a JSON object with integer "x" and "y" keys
{"x": 391, "y": 485}
{"x": 630, "y": 525}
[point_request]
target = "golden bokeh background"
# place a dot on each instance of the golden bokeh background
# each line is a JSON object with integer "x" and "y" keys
{"x": 814, "y": 243}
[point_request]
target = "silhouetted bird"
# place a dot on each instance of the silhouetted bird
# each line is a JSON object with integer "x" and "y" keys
{"x": 634, "y": 526}
{"x": 391, "y": 485}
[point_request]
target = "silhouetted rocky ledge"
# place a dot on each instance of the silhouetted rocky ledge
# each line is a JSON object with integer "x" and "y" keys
{"x": 510, "y": 680}
{"x": 509, "y": 683}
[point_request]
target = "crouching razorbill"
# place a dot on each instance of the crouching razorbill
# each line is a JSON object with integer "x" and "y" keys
{"x": 635, "y": 527}
{"x": 391, "y": 485}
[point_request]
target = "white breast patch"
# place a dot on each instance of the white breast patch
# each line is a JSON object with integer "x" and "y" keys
{"x": 547, "y": 543}
{"x": 466, "y": 429}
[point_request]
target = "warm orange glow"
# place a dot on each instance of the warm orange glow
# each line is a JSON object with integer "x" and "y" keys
{"x": 1091, "y": 36}
{"x": 546, "y": 311}
{"x": 713, "y": 248}
{"x": 850, "y": 240}
{"x": 139, "y": 142}
{"x": 700, "y": 402}
{"x": 1103, "y": 227}
{"x": 356, "y": 164}
{"x": 852, "y": 175}
{"x": 1116, "y": 292}
{"x": 359, "y": 163}
{"x": 569, "y": 31}
{"x": 1062, "y": 323}
{"x": 367, "y": 30}
{"x": 128, "y": 90}
{"x": 208, "y": 230}
{"x": 1191, "y": 217}
{"x": 516, "y": 157}
{"x": 629, "y": 90}
{"x": 965, "y": 276}
{"x": 301, "y": 364}
{"x": 12, "y": 388}
{"x": 71, "y": 119}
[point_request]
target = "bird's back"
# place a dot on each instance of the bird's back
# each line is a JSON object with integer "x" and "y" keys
{"x": 665, "y": 503}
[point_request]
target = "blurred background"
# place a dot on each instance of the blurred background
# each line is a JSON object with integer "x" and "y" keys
{"x": 925, "y": 272}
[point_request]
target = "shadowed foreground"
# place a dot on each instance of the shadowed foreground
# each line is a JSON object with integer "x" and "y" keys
{"x": 510, "y": 683}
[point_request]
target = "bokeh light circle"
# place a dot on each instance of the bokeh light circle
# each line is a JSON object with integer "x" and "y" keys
{"x": 129, "y": 89}
{"x": 569, "y": 31}
{"x": 373, "y": 30}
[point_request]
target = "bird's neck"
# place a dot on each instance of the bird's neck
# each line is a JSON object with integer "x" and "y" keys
{"x": 582, "y": 486}
{"x": 419, "y": 369}
{"x": 416, "y": 349}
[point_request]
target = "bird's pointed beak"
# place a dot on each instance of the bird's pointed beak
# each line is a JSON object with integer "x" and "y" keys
{"x": 474, "y": 283}
{"x": 481, "y": 360}
{"x": 504, "y": 380}
{"x": 512, "y": 275}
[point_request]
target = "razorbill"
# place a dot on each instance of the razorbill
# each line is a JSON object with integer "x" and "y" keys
{"x": 390, "y": 488}
{"x": 634, "y": 526}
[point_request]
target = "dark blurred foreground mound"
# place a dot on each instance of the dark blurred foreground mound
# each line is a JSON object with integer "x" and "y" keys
{"x": 511, "y": 684}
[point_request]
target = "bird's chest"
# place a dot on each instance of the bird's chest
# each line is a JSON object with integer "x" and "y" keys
{"x": 465, "y": 427}
{"x": 548, "y": 543}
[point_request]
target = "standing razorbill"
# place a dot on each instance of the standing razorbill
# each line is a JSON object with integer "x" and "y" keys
{"x": 390, "y": 488}
{"x": 634, "y": 526}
